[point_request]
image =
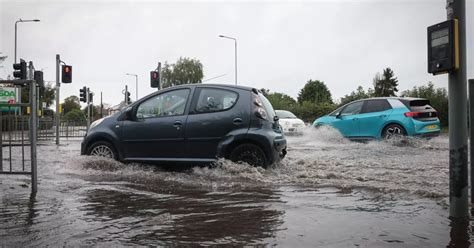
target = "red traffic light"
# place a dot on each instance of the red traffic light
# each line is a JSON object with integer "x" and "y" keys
{"x": 67, "y": 74}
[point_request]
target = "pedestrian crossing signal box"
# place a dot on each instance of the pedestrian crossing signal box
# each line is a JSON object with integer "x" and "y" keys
{"x": 443, "y": 47}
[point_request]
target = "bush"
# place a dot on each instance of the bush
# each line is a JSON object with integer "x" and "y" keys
{"x": 308, "y": 111}
{"x": 75, "y": 115}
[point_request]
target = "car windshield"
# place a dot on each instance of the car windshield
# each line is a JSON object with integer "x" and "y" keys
{"x": 285, "y": 114}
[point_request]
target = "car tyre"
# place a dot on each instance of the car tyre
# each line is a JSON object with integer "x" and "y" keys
{"x": 392, "y": 131}
{"x": 102, "y": 149}
{"x": 250, "y": 154}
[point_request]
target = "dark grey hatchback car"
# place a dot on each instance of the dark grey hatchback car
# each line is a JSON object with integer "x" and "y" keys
{"x": 191, "y": 123}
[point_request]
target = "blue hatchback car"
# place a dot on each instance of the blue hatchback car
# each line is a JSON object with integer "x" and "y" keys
{"x": 377, "y": 118}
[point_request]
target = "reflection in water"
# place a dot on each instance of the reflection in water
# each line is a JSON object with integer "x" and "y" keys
{"x": 182, "y": 216}
{"x": 460, "y": 232}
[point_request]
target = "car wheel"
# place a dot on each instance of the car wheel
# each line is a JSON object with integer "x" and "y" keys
{"x": 102, "y": 149}
{"x": 392, "y": 131}
{"x": 250, "y": 154}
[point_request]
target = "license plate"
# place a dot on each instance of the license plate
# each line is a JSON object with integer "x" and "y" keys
{"x": 430, "y": 127}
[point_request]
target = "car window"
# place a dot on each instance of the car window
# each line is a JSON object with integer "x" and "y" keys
{"x": 285, "y": 114}
{"x": 213, "y": 100}
{"x": 336, "y": 112}
{"x": 376, "y": 105}
{"x": 166, "y": 104}
{"x": 352, "y": 109}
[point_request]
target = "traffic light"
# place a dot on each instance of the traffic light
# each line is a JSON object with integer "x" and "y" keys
{"x": 38, "y": 76}
{"x": 82, "y": 94}
{"x": 66, "y": 76}
{"x": 155, "y": 79}
{"x": 90, "y": 96}
{"x": 20, "y": 70}
{"x": 127, "y": 97}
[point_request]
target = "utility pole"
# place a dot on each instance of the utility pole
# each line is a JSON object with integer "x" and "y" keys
{"x": 33, "y": 130}
{"x": 101, "y": 106}
{"x": 57, "y": 120}
{"x": 471, "y": 135}
{"x": 458, "y": 172}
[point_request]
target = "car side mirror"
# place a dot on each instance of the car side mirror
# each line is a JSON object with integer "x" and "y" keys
{"x": 129, "y": 115}
{"x": 338, "y": 115}
{"x": 276, "y": 118}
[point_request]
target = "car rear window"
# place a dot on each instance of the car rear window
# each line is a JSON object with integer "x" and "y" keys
{"x": 268, "y": 107}
{"x": 417, "y": 105}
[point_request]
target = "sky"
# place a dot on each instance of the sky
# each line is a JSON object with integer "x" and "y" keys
{"x": 280, "y": 44}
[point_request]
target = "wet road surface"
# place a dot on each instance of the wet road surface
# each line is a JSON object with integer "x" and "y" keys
{"x": 327, "y": 192}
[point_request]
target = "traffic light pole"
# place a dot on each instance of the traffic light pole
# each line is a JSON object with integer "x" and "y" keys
{"x": 458, "y": 172}
{"x": 57, "y": 114}
{"x": 88, "y": 109}
{"x": 33, "y": 131}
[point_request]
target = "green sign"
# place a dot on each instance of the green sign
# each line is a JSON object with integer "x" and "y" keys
{"x": 8, "y": 95}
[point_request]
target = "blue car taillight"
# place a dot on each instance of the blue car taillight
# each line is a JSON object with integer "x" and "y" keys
{"x": 259, "y": 110}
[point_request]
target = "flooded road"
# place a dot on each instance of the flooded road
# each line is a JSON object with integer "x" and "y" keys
{"x": 327, "y": 192}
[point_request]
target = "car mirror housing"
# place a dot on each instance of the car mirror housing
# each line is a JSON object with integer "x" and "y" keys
{"x": 276, "y": 118}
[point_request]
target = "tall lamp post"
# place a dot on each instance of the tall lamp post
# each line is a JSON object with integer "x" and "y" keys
{"x": 136, "y": 84}
{"x": 235, "y": 50}
{"x": 16, "y": 23}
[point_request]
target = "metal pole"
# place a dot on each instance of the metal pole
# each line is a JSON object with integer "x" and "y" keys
{"x": 58, "y": 61}
{"x": 33, "y": 132}
{"x": 101, "y": 106}
{"x": 458, "y": 172}
{"x": 15, "y": 37}
{"x": 126, "y": 93}
{"x": 88, "y": 109}
{"x": 136, "y": 87}
{"x": 159, "y": 75}
{"x": 235, "y": 61}
{"x": 471, "y": 135}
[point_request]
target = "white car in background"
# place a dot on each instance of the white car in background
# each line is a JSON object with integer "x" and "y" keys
{"x": 289, "y": 122}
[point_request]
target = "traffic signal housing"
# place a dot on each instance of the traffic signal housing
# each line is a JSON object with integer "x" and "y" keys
{"x": 127, "y": 98}
{"x": 20, "y": 70}
{"x": 66, "y": 76}
{"x": 38, "y": 76}
{"x": 155, "y": 79}
{"x": 90, "y": 96}
{"x": 83, "y": 94}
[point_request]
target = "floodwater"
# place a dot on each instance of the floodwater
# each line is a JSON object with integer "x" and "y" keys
{"x": 327, "y": 192}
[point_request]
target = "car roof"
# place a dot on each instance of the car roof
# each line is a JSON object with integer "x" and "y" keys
{"x": 396, "y": 97}
{"x": 216, "y": 85}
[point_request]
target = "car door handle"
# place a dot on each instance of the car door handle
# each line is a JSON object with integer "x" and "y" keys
{"x": 237, "y": 121}
{"x": 177, "y": 124}
{"x": 355, "y": 119}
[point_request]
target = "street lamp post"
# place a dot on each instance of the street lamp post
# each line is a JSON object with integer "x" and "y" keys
{"x": 235, "y": 50}
{"x": 136, "y": 84}
{"x": 20, "y": 20}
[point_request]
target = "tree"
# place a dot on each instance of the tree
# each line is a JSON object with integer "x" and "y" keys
{"x": 438, "y": 99}
{"x": 281, "y": 100}
{"x": 75, "y": 115}
{"x": 71, "y": 103}
{"x": 315, "y": 92}
{"x": 47, "y": 95}
{"x": 360, "y": 93}
{"x": 385, "y": 84}
{"x": 184, "y": 71}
